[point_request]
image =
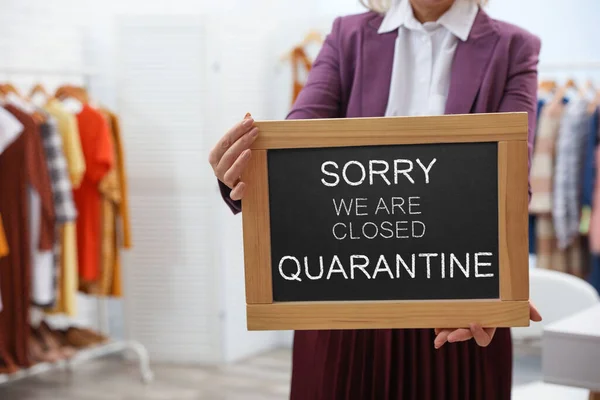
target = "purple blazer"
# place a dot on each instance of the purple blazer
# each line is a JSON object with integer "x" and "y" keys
{"x": 494, "y": 70}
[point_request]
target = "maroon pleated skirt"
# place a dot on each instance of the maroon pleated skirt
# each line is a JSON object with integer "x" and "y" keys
{"x": 398, "y": 365}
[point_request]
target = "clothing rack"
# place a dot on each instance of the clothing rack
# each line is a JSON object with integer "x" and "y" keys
{"x": 123, "y": 347}
{"x": 581, "y": 66}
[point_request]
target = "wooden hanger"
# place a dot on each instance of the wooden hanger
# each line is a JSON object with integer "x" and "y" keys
{"x": 7, "y": 88}
{"x": 571, "y": 84}
{"x": 38, "y": 88}
{"x": 547, "y": 86}
{"x": 75, "y": 92}
{"x": 313, "y": 36}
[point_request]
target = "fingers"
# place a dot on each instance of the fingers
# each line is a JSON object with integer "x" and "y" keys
{"x": 534, "y": 314}
{"x": 460, "y": 335}
{"x": 482, "y": 336}
{"x": 231, "y": 137}
{"x": 238, "y": 191}
{"x": 232, "y": 176}
{"x": 441, "y": 337}
{"x": 232, "y": 156}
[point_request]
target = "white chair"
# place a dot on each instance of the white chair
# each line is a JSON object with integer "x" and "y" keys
{"x": 547, "y": 391}
{"x": 556, "y": 295}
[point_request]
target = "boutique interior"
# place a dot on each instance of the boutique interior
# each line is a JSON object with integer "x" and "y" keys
{"x": 115, "y": 106}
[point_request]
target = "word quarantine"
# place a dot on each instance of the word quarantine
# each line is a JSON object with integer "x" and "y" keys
{"x": 398, "y": 218}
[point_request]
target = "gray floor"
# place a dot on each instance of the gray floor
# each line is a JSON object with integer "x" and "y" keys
{"x": 265, "y": 377}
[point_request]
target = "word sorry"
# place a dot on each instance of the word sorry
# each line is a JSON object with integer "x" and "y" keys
{"x": 400, "y": 167}
{"x": 360, "y": 266}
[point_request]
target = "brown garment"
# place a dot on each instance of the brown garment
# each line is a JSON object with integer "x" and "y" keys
{"x": 21, "y": 164}
{"x": 299, "y": 57}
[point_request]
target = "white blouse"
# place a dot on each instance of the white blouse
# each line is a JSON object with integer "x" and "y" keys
{"x": 423, "y": 56}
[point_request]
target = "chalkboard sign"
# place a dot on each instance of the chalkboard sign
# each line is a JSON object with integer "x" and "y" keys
{"x": 387, "y": 223}
{"x": 412, "y": 222}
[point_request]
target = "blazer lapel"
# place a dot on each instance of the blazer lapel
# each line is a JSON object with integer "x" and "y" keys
{"x": 469, "y": 65}
{"x": 377, "y": 61}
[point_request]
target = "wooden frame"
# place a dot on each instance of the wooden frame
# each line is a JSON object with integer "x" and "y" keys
{"x": 509, "y": 130}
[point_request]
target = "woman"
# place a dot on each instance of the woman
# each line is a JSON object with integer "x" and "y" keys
{"x": 416, "y": 57}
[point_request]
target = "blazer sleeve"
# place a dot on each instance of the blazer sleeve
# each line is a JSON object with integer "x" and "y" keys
{"x": 520, "y": 91}
{"x": 320, "y": 97}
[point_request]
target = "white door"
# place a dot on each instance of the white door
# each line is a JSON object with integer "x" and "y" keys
{"x": 170, "y": 277}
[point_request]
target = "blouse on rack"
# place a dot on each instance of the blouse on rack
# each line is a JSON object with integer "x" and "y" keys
{"x": 570, "y": 152}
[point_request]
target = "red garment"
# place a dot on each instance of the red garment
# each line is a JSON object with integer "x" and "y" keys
{"x": 23, "y": 163}
{"x": 97, "y": 146}
{"x": 398, "y": 364}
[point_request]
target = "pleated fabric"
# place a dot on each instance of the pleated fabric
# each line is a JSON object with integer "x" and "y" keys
{"x": 398, "y": 365}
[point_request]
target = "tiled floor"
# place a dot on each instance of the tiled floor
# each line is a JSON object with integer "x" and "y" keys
{"x": 261, "y": 378}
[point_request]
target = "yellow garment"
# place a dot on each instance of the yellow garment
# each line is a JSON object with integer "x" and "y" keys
{"x": 69, "y": 131}
{"x": 115, "y": 216}
{"x": 68, "y": 281}
{"x": 3, "y": 244}
{"x": 110, "y": 200}
{"x": 123, "y": 211}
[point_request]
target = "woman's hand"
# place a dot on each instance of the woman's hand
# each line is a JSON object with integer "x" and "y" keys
{"x": 483, "y": 336}
{"x": 231, "y": 154}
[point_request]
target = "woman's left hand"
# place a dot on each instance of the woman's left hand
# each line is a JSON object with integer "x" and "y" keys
{"x": 483, "y": 336}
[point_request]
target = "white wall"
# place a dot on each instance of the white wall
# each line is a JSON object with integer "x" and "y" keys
{"x": 245, "y": 74}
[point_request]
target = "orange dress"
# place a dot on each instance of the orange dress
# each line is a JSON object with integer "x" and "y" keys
{"x": 97, "y": 146}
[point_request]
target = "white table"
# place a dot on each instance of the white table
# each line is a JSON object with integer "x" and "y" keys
{"x": 571, "y": 351}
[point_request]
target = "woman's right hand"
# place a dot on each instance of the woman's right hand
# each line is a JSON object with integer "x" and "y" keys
{"x": 231, "y": 155}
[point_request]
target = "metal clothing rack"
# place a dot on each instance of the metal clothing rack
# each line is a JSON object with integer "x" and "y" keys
{"x": 588, "y": 65}
{"x": 102, "y": 350}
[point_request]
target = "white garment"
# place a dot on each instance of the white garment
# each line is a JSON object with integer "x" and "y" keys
{"x": 20, "y": 103}
{"x": 10, "y": 129}
{"x": 423, "y": 56}
{"x": 42, "y": 262}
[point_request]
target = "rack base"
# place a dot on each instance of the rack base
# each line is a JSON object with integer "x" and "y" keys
{"x": 92, "y": 353}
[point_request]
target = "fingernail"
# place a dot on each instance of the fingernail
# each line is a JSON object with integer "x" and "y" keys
{"x": 248, "y": 115}
{"x": 247, "y": 153}
{"x": 254, "y": 133}
{"x": 248, "y": 123}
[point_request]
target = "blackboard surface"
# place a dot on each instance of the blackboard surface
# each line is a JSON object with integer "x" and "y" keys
{"x": 384, "y": 222}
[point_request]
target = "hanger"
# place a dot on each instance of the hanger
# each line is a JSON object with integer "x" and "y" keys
{"x": 7, "y": 88}
{"x": 38, "y": 95}
{"x": 75, "y": 92}
{"x": 548, "y": 85}
{"x": 38, "y": 88}
{"x": 72, "y": 98}
{"x": 571, "y": 84}
{"x": 313, "y": 36}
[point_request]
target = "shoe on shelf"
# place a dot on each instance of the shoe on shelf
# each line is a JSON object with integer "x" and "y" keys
{"x": 53, "y": 340}
{"x": 7, "y": 364}
{"x": 39, "y": 353}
